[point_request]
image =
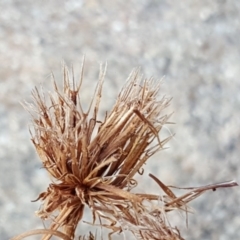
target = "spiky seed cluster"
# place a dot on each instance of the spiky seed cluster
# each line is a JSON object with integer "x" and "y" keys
{"x": 97, "y": 170}
{"x": 93, "y": 163}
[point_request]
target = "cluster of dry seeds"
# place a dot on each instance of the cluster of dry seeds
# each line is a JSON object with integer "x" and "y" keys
{"x": 93, "y": 163}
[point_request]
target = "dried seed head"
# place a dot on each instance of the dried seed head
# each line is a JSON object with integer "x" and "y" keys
{"x": 96, "y": 170}
{"x": 93, "y": 163}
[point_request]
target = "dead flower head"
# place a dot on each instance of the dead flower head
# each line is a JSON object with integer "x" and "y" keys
{"x": 93, "y": 163}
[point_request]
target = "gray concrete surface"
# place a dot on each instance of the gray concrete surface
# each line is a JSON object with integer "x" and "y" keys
{"x": 194, "y": 44}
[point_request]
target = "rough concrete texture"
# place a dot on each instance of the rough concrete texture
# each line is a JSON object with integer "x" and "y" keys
{"x": 194, "y": 44}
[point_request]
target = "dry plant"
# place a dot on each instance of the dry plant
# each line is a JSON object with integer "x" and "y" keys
{"x": 93, "y": 163}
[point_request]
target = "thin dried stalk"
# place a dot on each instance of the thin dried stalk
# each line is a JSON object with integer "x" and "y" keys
{"x": 98, "y": 170}
{"x": 41, "y": 232}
